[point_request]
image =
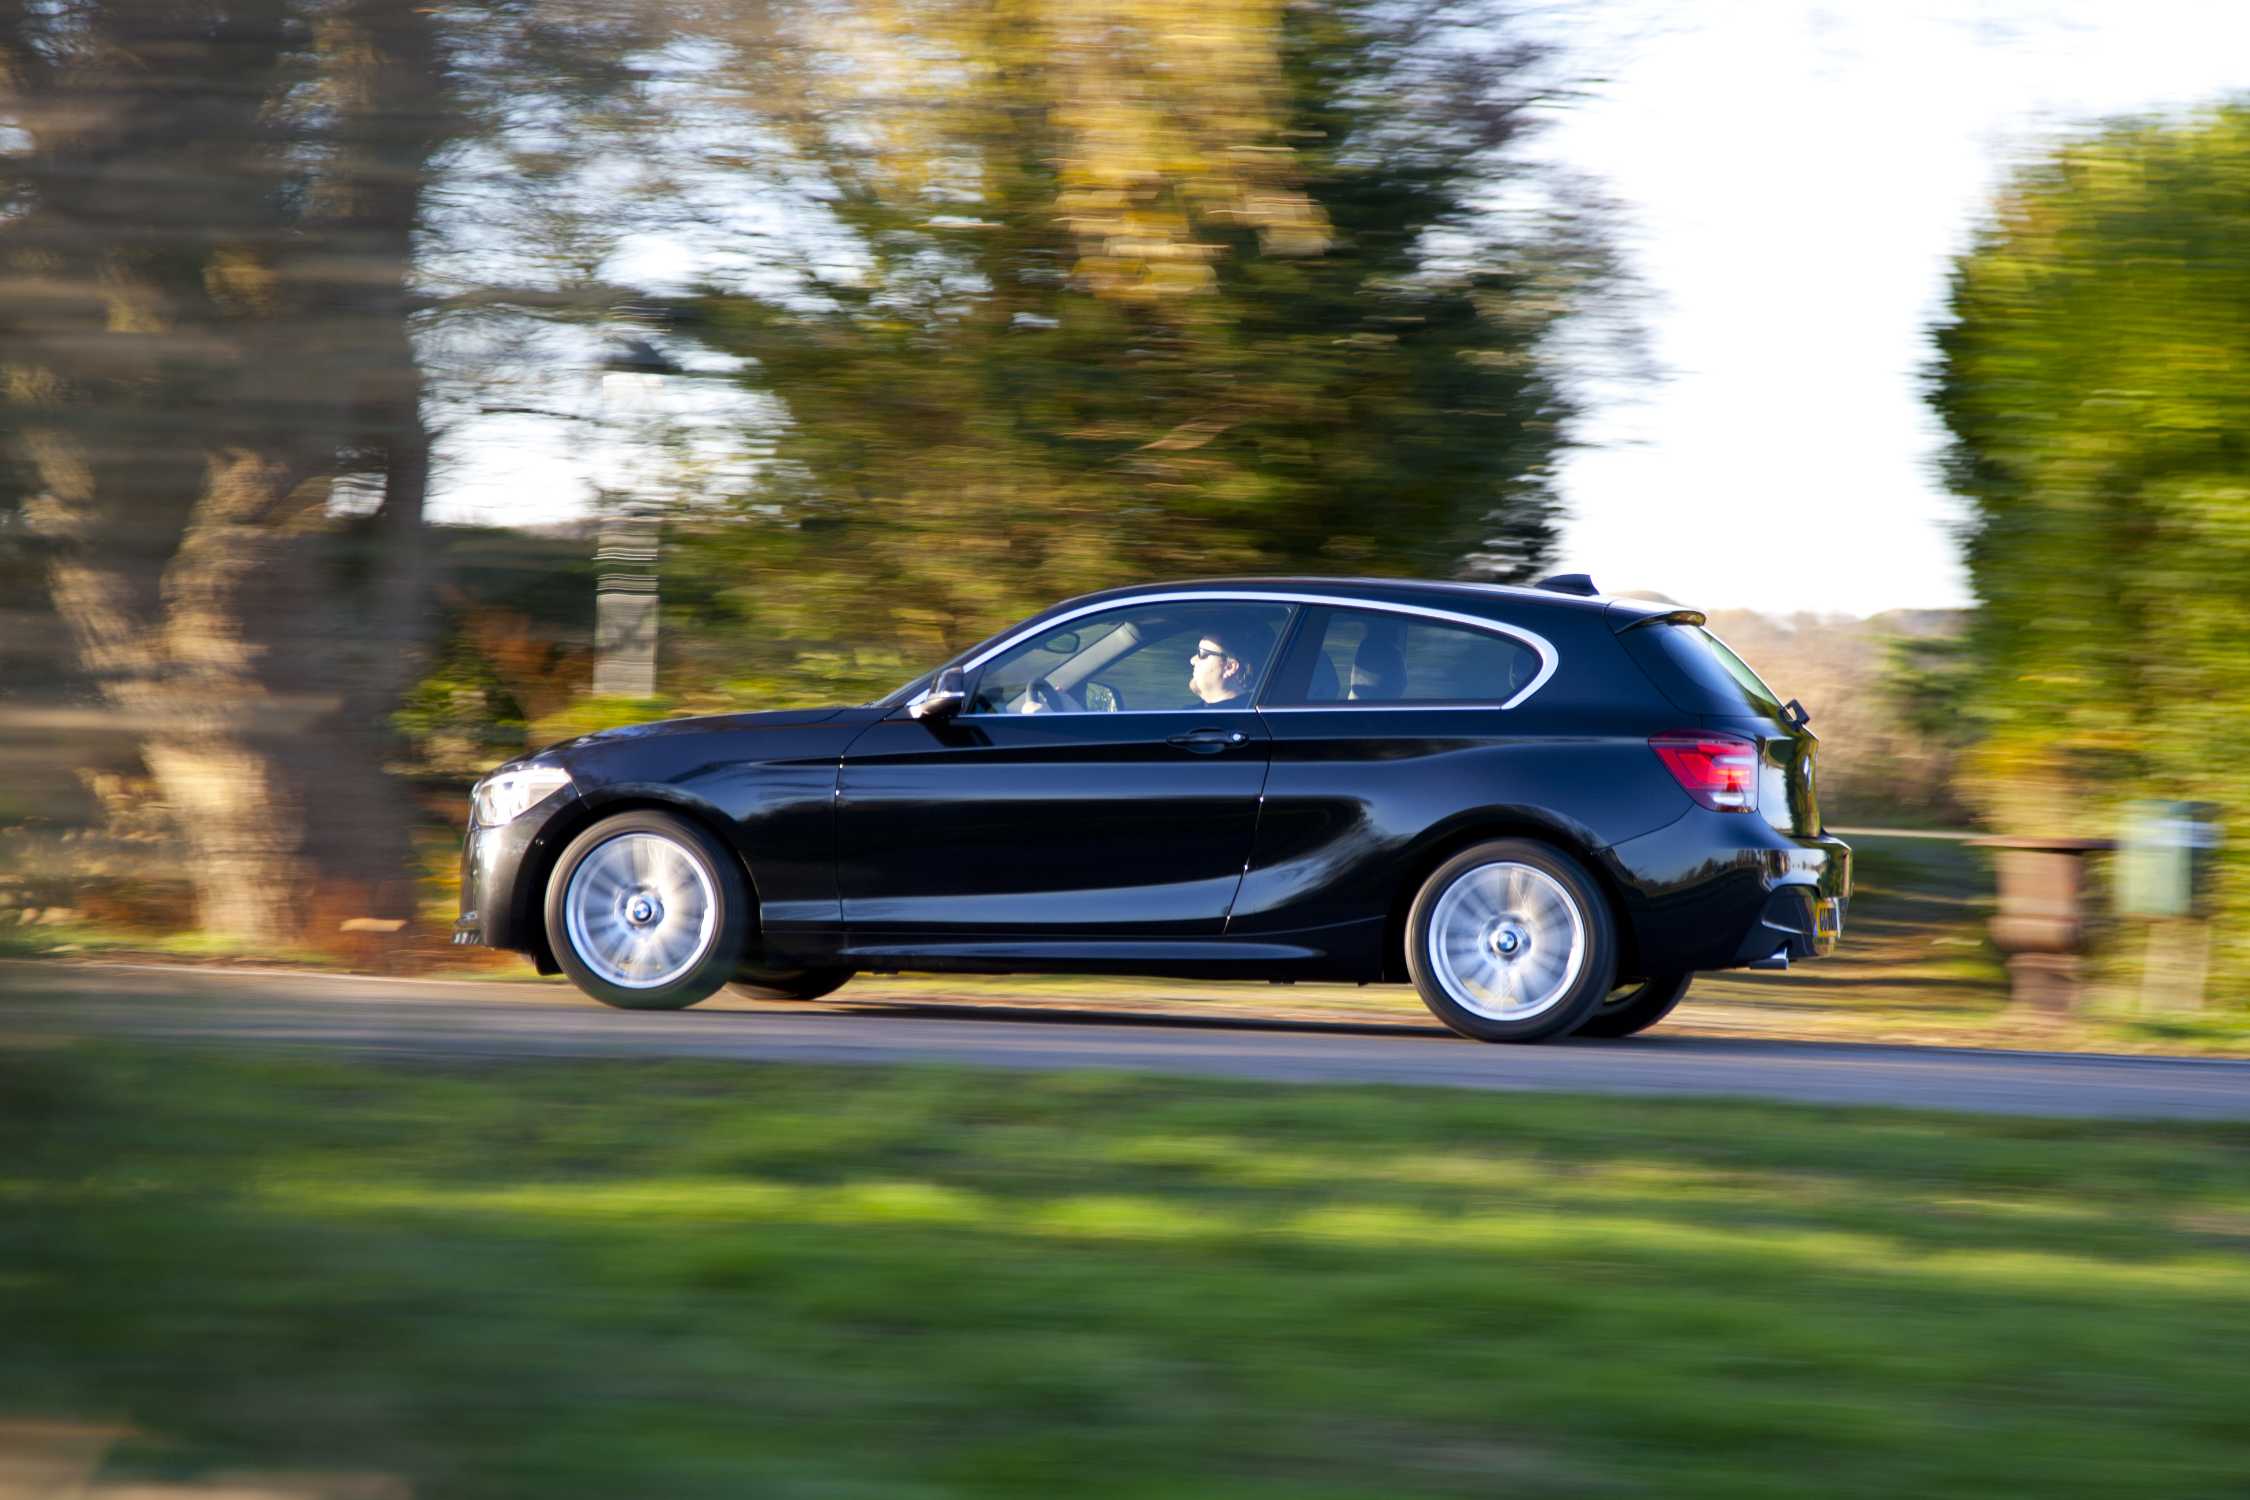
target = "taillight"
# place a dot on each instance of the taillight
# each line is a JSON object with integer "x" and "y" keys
{"x": 1720, "y": 771}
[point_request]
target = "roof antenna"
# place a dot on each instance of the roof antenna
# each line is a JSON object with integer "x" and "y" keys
{"x": 1569, "y": 583}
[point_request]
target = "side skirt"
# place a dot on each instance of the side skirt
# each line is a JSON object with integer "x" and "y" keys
{"x": 1351, "y": 952}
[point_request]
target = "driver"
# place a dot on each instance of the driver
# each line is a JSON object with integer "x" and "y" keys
{"x": 1224, "y": 668}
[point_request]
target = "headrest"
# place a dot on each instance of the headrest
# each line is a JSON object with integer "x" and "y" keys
{"x": 1379, "y": 667}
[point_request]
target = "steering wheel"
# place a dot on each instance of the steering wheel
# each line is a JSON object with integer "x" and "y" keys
{"x": 1051, "y": 699}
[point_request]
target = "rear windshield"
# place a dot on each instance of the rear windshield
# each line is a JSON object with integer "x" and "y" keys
{"x": 1697, "y": 671}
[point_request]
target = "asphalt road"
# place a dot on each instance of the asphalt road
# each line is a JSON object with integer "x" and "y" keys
{"x": 448, "y": 1019}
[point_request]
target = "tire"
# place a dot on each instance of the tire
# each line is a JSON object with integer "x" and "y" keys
{"x": 787, "y": 984}
{"x": 1638, "y": 1008}
{"x": 640, "y": 957}
{"x": 1561, "y": 942}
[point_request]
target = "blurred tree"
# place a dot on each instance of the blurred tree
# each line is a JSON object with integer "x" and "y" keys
{"x": 2095, "y": 374}
{"x": 205, "y": 302}
{"x": 1089, "y": 293}
{"x": 1145, "y": 289}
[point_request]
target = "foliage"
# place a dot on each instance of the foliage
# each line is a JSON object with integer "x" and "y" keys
{"x": 1202, "y": 289}
{"x": 715, "y": 1280}
{"x": 460, "y": 716}
{"x": 513, "y": 648}
{"x": 2095, "y": 375}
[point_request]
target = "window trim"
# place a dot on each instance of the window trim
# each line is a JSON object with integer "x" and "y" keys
{"x": 1549, "y": 658}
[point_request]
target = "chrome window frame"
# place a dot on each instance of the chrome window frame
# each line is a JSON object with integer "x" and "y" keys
{"x": 1549, "y": 657}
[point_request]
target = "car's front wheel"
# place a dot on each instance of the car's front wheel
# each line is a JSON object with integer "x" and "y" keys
{"x": 1511, "y": 941}
{"x": 1636, "y": 1009}
{"x": 646, "y": 911}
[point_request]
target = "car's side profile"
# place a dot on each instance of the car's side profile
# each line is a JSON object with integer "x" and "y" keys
{"x": 1545, "y": 808}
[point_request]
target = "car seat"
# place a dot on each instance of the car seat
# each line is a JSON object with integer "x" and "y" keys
{"x": 1379, "y": 667}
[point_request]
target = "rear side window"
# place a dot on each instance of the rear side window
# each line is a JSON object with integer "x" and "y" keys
{"x": 1697, "y": 671}
{"x": 1349, "y": 657}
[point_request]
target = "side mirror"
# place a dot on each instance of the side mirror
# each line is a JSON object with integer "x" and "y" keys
{"x": 942, "y": 699}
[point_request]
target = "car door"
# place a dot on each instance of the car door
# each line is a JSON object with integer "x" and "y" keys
{"x": 1029, "y": 815}
{"x": 1387, "y": 721}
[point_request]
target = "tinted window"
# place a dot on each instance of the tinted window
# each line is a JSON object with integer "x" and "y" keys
{"x": 1697, "y": 671}
{"x": 1176, "y": 656}
{"x": 1750, "y": 682}
{"x": 1351, "y": 656}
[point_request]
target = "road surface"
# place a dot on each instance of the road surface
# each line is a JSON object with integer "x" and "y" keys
{"x": 469, "y": 1019}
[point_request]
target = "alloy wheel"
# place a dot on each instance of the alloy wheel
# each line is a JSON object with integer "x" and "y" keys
{"x": 1506, "y": 941}
{"x": 640, "y": 911}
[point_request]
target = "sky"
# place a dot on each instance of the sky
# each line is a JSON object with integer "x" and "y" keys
{"x": 1792, "y": 183}
{"x": 1795, "y": 181}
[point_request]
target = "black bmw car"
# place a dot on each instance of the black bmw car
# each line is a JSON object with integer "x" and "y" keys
{"x": 1545, "y": 808}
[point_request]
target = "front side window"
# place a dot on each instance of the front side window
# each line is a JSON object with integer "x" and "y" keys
{"x": 1353, "y": 656}
{"x": 1179, "y": 656}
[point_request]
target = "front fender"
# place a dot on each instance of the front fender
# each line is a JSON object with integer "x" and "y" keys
{"x": 764, "y": 784}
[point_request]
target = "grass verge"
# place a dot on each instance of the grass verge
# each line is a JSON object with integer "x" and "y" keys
{"x": 700, "y": 1279}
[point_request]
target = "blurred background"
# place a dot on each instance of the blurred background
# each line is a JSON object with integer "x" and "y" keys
{"x": 389, "y": 388}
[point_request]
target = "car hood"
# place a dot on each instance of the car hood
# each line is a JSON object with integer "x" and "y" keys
{"x": 700, "y": 725}
{"x": 608, "y": 743}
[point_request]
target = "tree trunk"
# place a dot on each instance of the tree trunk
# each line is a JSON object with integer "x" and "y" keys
{"x": 205, "y": 307}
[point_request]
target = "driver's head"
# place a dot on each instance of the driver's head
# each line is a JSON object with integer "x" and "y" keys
{"x": 1226, "y": 661}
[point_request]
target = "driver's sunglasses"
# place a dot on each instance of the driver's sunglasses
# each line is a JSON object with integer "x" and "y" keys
{"x": 1203, "y": 651}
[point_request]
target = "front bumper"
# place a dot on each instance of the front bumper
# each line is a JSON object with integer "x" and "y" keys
{"x": 498, "y": 907}
{"x": 1720, "y": 890}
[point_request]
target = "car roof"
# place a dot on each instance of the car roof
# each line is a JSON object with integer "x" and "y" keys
{"x": 1452, "y": 592}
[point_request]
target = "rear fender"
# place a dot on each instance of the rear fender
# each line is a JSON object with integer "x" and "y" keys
{"x": 1448, "y": 838}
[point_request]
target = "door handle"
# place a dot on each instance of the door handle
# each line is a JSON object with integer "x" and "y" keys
{"x": 1209, "y": 741}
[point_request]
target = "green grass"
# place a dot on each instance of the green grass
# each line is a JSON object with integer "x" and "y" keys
{"x": 94, "y": 939}
{"x": 721, "y": 1280}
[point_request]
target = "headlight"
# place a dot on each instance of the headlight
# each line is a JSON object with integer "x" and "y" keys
{"x": 506, "y": 796}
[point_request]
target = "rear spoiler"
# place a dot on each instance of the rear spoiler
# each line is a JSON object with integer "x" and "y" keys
{"x": 1670, "y": 617}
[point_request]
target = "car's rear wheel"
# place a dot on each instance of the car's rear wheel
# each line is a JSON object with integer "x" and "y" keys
{"x": 1638, "y": 1007}
{"x": 753, "y": 983}
{"x": 646, "y": 911}
{"x": 1511, "y": 941}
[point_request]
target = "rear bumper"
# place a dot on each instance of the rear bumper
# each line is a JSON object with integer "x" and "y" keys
{"x": 1720, "y": 890}
{"x": 1797, "y": 923}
